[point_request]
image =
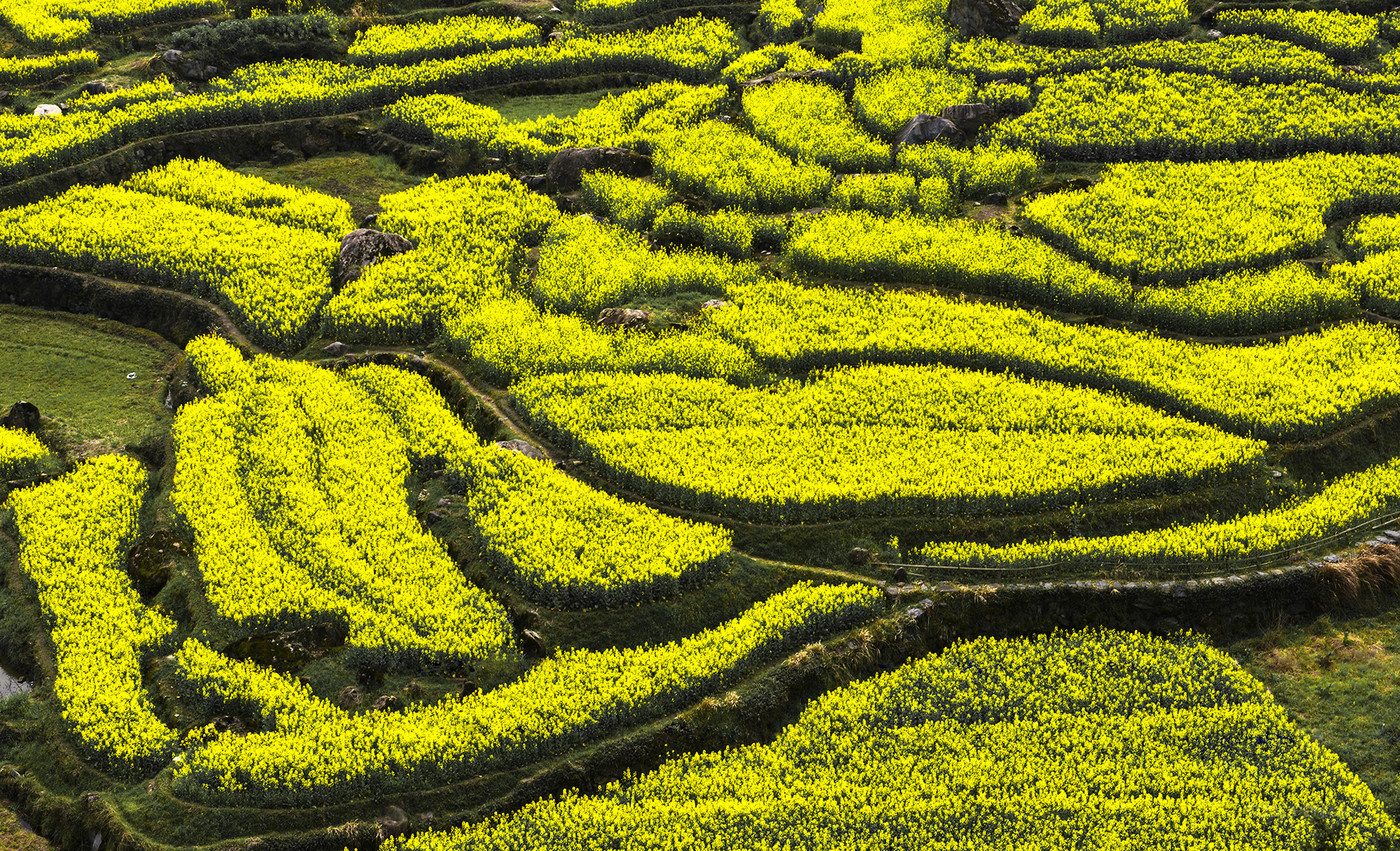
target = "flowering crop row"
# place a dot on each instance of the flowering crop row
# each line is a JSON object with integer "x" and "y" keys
{"x": 1287, "y": 390}
{"x": 1086, "y": 23}
{"x": 1174, "y": 222}
{"x": 693, "y": 49}
{"x": 1346, "y": 502}
{"x": 1339, "y": 34}
{"x": 37, "y": 69}
{"x": 205, "y": 183}
{"x": 972, "y": 172}
{"x": 886, "y": 102}
{"x": 470, "y": 235}
{"x": 888, "y": 33}
{"x": 1242, "y": 59}
{"x": 736, "y": 170}
{"x": 508, "y": 338}
{"x": 1141, "y": 113}
{"x": 629, "y": 202}
{"x": 56, "y": 24}
{"x": 880, "y": 440}
{"x": 158, "y": 89}
{"x": 572, "y": 697}
{"x": 74, "y": 536}
{"x": 1093, "y": 739}
{"x": 957, "y": 254}
{"x": 447, "y": 37}
{"x": 20, "y": 453}
{"x": 292, "y": 482}
{"x": 560, "y": 540}
{"x": 1242, "y": 304}
{"x": 810, "y": 121}
{"x": 272, "y": 278}
{"x": 585, "y": 265}
{"x": 774, "y": 57}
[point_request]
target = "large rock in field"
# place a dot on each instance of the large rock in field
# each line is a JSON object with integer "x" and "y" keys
{"x": 360, "y": 249}
{"x": 927, "y": 128}
{"x": 996, "y": 18}
{"x": 969, "y": 117}
{"x": 529, "y": 450}
{"x": 566, "y": 168}
{"x": 623, "y": 317}
{"x": 96, "y": 87}
{"x": 23, "y": 416}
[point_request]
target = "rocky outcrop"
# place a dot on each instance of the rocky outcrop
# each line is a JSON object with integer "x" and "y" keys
{"x": 567, "y": 167}
{"x": 362, "y": 248}
{"x": 995, "y": 18}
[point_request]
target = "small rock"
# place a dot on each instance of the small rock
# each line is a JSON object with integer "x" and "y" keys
{"x": 535, "y": 182}
{"x": 1015, "y": 230}
{"x": 23, "y": 416}
{"x": 1214, "y": 33}
{"x": 349, "y": 698}
{"x": 714, "y": 303}
{"x": 370, "y": 222}
{"x": 97, "y": 87}
{"x": 230, "y": 724}
{"x": 625, "y": 318}
{"x": 336, "y": 349}
{"x": 47, "y": 110}
{"x": 901, "y": 575}
{"x": 388, "y": 703}
{"x": 925, "y": 128}
{"x": 435, "y": 517}
{"x": 467, "y": 689}
{"x": 534, "y": 644}
{"x": 859, "y": 555}
{"x": 998, "y": 198}
{"x": 524, "y": 447}
{"x": 393, "y": 821}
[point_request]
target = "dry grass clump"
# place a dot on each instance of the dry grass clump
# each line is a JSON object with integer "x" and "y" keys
{"x": 1374, "y": 569}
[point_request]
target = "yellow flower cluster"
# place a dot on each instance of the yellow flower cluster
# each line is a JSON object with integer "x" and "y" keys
{"x": 629, "y": 202}
{"x": 586, "y": 265}
{"x": 74, "y": 536}
{"x": 56, "y": 24}
{"x": 1239, "y": 58}
{"x": 1374, "y": 243}
{"x": 972, "y": 172}
{"x": 292, "y": 482}
{"x": 508, "y": 338}
{"x": 888, "y": 33}
{"x": 692, "y": 49}
{"x": 877, "y": 440}
{"x": 1091, "y": 739}
{"x": 404, "y": 44}
{"x": 1084, "y": 23}
{"x": 20, "y": 453}
{"x": 811, "y": 122}
{"x": 774, "y": 57}
{"x": 470, "y": 235}
{"x": 1245, "y": 303}
{"x": 885, "y": 102}
{"x": 158, "y": 89}
{"x": 1173, "y": 222}
{"x": 1280, "y": 391}
{"x": 1345, "y": 502}
{"x": 572, "y": 697}
{"x": 38, "y": 69}
{"x": 273, "y": 278}
{"x": 1338, "y": 34}
{"x": 957, "y": 254}
{"x": 560, "y": 540}
{"x": 207, "y": 184}
{"x": 228, "y": 685}
{"x": 1145, "y": 114}
{"x": 734, "y": 169}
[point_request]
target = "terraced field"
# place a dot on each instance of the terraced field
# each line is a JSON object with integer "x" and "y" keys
{"x": 639, "y": 424}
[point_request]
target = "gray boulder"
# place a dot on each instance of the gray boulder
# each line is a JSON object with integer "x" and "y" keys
{"x": 362, "y": 248}
{"x": 925, "y": 128}
{"x": 23, "y": 416}
{"x": 567, "y": 167}
{"x": 623, "y": 317}
{"x": 529, "y": 450}
{"x": 970, "y": 118}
